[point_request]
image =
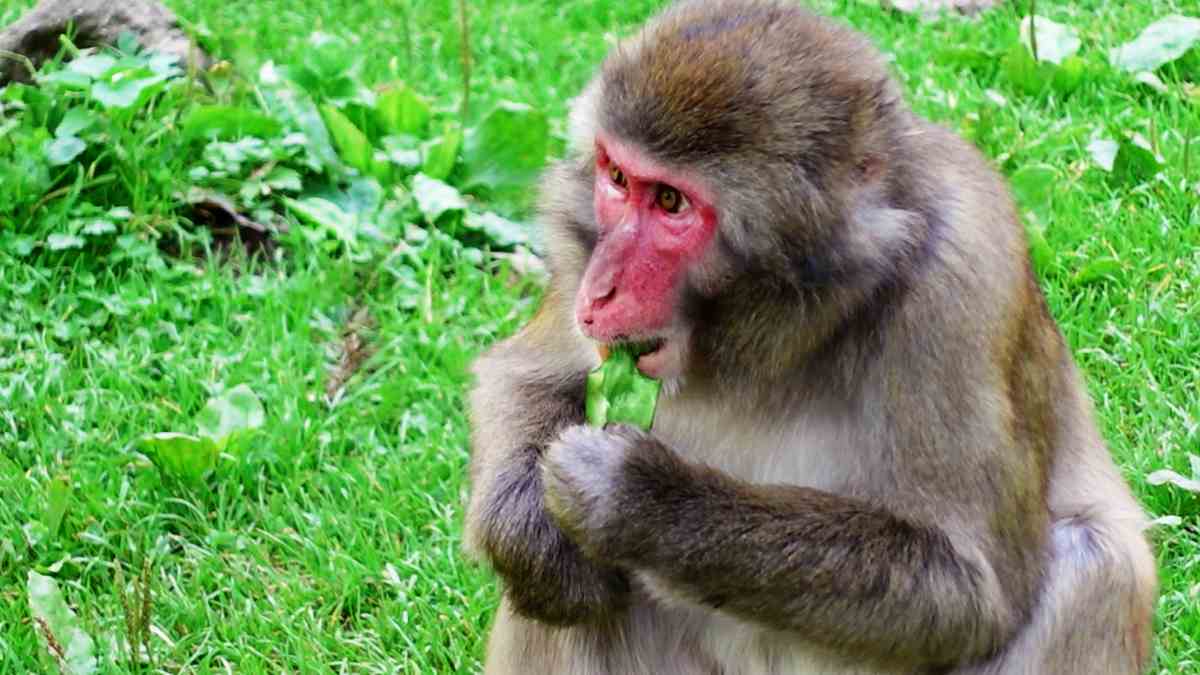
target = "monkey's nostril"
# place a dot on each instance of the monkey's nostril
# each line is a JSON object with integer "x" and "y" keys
{"x": 600, "y": 300}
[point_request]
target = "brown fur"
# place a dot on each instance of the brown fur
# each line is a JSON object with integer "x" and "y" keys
{"x": 880, "y": 458}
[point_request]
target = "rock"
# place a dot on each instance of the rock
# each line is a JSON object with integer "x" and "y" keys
{"x": 96, "y": 22}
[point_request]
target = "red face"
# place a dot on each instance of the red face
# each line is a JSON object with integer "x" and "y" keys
{"x": 654, "y": 223}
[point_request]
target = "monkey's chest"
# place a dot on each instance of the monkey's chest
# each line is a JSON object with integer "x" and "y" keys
{"x": 703, "y": 642}
{"x": 808, "y": 448}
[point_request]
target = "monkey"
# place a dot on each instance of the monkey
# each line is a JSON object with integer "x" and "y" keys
{"x": 873, "y": 452}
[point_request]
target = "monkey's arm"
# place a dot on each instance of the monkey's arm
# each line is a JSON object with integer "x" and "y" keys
{"x": 528, "y": 389}
{"x": 839, "y": 571}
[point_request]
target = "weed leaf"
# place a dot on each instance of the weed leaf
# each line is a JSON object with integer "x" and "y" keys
{"x": 58, "y": 496}
{"x": 64, "y": 150}
{"x": 1098, "y": 270}
{"x": 441, "y": 154}
{"x": 1161, "y": 43}
{"x": 59, "y": 629}
{"x": 1103, "y": 152}
{"x": 1040, "y": 250}
{"x": 181, "y": 455}
{"x": 76, "y": 121}
{"x": 61, "y": 242}
{"x": 402, "y": 111}
{"x": 507, "y": 149}
{"x": 435, "y": 198}
{"x": 1055, "y": 41}
{"x": 326, "y": 215}
{"x": 296, "y": 109}
{"x": 226, "y": 122}
{"x": 1164, "y": 476}
{"x": 94, "y": 66}
{"x": 1033, "y": 185}
{"x": 124, "y": 93}
{"x": 98, "y": 227}
{"x": 501, "y": 232}
{"x": 237, "y": 410}
{"x": 67, "y": 79}
{"x": 352, "y": 144}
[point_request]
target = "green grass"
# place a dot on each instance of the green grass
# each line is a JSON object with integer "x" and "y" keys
{"x": 332, "y": 542}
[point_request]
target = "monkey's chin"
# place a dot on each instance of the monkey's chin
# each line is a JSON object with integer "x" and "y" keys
{"x": 664, "y": 363}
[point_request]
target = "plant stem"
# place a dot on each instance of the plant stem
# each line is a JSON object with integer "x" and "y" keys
{"x": 1033, "y": 29}
{"x": 465, "y": 55}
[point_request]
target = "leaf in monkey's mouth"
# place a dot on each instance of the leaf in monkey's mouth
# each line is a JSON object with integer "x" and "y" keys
{"x": 620, "y": 394}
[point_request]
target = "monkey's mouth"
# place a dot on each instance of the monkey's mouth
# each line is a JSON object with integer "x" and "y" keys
{"x": 644, "y": 347}
{"x": 656, "y": 356}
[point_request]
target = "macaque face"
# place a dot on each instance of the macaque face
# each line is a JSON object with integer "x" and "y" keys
{"x": 654, "y": 223}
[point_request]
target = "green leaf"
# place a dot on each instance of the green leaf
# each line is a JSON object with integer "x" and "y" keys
{"x": 974, "y": 58}
{"x": 285, "y": 179}
{"x": 61, "y": 242}
{"x": 435, "y": 198}
{"x": 228, "y": 122}
{"x": 1040, "y": 250}
{"x": 503, "y": 233}
{"x": 1159, "y": 44}
{"x": 402, "y": 111}
{"x": 1165, "y": 476}
{"x": 1129, "y": 161}
{"x": 20, "y": 245}
{"x": 1151, "y": 80}
{"x": 441, "y": 154}
{"x": 126, "y": 92}
{"x": 98, "y": 227}
{"x": 1103, "y": 152}
{"x": 296, "y": 109}
{"x": 326, "y": 215}
{"x": 1135, "y": 162}
{"x": 182, "y": 456}
{"x": 64, "y": 150}
{"x": 67, "y": 79}
{"x": 1069, "y": 75}
{"x": 1097, "y": 270}
{"x": 1023, "y": 72}
{"x": 1055, "y": 41}
{"x": 75, "y": 122}
{"x": 60, "y": 631}
{"x": 1033, "y": 185}
{"x": 352, "y": 144}
{"x": 94, "y": 66}
{"x": 618, "y": 393}
{"x": 508, "y": 148}
{"x": 1035, "y": 77}
{"x": 58, "y": 496}
{"x": 236, "y": 411}
{"x": 127, "y": 42}
{"x": 403, "y": 151}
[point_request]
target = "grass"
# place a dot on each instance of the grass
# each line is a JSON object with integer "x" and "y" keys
{"x": 332, "y": 542}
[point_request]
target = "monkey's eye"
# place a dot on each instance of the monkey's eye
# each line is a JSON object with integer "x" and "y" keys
{"x": 617, "y": 175}
{"x": 670, "y": 200}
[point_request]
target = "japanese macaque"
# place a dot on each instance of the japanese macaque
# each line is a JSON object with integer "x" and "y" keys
{"x": 873, "y": 452}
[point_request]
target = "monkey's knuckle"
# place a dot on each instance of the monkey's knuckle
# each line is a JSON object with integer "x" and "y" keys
{"x": 577, "y": 435}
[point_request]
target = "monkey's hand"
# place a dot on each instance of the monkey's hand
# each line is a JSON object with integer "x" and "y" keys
{"x": 586, "y": 477}
{"x": 547, "y": 577}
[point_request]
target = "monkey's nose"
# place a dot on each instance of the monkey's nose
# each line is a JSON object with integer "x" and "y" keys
{"x": 596, "y": 301}
{"x": 601, "y": 297}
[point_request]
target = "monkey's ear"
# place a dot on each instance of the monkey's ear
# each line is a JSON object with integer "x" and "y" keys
{"x": 870, "y": 167}
{"x": 582, "y": 120}
{"x": 876, "y": 120}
